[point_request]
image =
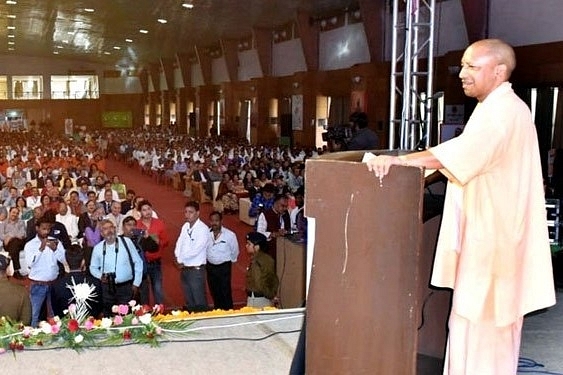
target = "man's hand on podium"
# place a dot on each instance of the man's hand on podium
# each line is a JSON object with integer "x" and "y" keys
{"x": 380, "y": 164}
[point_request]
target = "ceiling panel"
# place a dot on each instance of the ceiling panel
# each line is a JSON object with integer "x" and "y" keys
{"x": 67, "y": 28}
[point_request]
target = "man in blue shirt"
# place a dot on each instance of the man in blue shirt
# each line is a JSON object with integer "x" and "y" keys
{"x": 118, "y": 266}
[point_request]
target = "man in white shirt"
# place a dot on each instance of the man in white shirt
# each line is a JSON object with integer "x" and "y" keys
{"x": 116, "y": 217}
{"x": 69, "y": 220}
{"x": 222, "y": 253}
{"x": 191, "y": 255}
{"x": 42, "y": 254}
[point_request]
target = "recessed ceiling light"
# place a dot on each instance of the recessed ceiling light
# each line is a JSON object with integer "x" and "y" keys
{"x": 12, "y": 16}
{"x": 143, "y": 31}
{"x": 11, "y": 2}
{"x": 55, "y": 52}
{"x": 11, "y": 36}
{"x": 107, "y": 53}
{"x": 188, "y": 5}
{"x": 11, "y": 42}
{"x": 129, "y": 40}
{"x": 70, "y": 32}
{"x": 116, "y": 47}
{"x": 162, "y": 20}
{"x": 11, "y": 27}
{"x": 11, "y": 49}
{"x": 89, "y": 10}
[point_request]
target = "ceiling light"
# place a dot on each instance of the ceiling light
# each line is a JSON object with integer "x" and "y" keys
{"x": 11, "y": 49}
{"x": 89, "y": 10}
{"x": 143, "y": 31}
{"x": 60, "y": 47}
{"x": 107, "y": 53}
{"x": 129, "y": 40}
{"x": 116, "y": 47}
{"x": 11, "y": 2}
{"x": 55, "y": 52}
{"x": 162, "y": 20}
{"x": 12, "y": 16}
{"x": 11, "y": 27}
{"x": 11, "y": 36}
{"x": 11, "y": 42}
{"x": 188, "y": 5}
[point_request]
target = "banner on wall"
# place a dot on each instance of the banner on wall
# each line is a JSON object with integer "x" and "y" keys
{"x": 69, "y": 126}
{"x": 297, "y": 112}
{"x": 117, "y": 119}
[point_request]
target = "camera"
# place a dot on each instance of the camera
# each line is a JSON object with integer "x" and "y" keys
{"x": 109, "y": 278}
{"x": 137, "y": 232}
{"x": 338, "y": 134}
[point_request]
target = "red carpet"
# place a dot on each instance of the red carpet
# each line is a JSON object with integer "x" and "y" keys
{"x": 169, "y": 205}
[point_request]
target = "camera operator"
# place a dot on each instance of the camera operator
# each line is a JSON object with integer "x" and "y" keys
{"x": 142, "y": 243}
{"x": 364, "y": 138}
{"x": 118, "y": 266}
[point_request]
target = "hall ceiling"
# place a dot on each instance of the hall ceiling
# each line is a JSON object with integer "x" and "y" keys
{"x": 108, "y": 31}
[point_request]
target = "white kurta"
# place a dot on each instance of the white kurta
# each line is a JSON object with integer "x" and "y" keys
{"x": 494, "y": 236}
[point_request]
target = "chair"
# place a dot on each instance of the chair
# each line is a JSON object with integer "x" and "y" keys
{"x": 198, "y": 193}
{"x": 217, "y": 204}
{"x": 243, "y": 207}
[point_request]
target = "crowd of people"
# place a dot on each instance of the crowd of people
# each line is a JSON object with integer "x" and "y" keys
{"x": 62, "y": 215}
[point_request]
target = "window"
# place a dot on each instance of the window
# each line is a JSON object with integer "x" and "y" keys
{"x": 74, "y": 87}
{"x": 3, "y": 87}
{"x": 27, "y": 87}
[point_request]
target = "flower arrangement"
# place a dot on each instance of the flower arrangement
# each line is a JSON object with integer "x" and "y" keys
{"x": 132, "y": 323}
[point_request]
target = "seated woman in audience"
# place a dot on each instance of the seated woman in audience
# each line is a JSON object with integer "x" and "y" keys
{"x": 26, "y": 213}
{"x": 119, "y": 187}
{"x": 50, "y": 189}
{"x": 67, "y": 187}
{"x": 226, "y": 194}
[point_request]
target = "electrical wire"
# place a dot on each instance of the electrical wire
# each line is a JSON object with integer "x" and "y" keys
{"x": 529, "y": 366}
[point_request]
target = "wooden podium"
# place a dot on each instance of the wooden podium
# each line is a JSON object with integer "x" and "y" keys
{"x": 369, "y": 280}
{"x": 290, "y": 268}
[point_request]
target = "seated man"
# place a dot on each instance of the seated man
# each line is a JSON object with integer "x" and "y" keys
{"x": 262, "y": 201}
{"x": 15, "y": 298}
{"x": 12, "y": 234}
{"x": 274, "y": 222}
{"x": 61, "y": 295}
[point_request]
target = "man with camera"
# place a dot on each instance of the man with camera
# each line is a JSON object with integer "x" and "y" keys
{"x": 42, "y": 254}
{"x": 364, "y": 138}
{"x": 118, "y": 266}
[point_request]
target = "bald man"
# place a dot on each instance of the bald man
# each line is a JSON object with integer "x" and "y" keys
{"x": 493, "y": 247}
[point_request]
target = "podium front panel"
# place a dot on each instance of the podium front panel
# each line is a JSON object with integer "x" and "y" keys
{"x": 362, "y": 304}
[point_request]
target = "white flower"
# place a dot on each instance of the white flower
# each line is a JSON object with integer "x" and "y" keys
{"x": 105, "y": 323}
{"x": 135, "y": 321}
{"x": 132, "y": 303}
{"x": 145, "y": 319}
{"x": 78, "y": 339}
{"x": 83, "y": 291}
{"x": 45, "y": 327}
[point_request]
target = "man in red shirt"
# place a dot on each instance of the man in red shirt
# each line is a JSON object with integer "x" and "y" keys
{"x": 154, "y": 241}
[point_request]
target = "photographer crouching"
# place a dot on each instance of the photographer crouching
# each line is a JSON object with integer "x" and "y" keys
{"x": 118, "y": 266}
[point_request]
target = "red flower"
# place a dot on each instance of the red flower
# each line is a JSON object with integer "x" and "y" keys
{"x": 126, "y": 335}
{"x": 73, "y": 325}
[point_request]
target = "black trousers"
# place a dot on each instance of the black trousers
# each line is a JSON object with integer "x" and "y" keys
{"x": 121, "y": 295}
{"x": 14, "y": 247}
{"x": 219, "y": 282}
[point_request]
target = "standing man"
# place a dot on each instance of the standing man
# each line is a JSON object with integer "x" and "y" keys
{"x": 118, "y": 266}
{"x": 493, "y": 248}
{"x": 222, "y": 253}
{"x": 42, "y": 254}
{"x": 153, "y": 229}
{"x": 191, "y": 254}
